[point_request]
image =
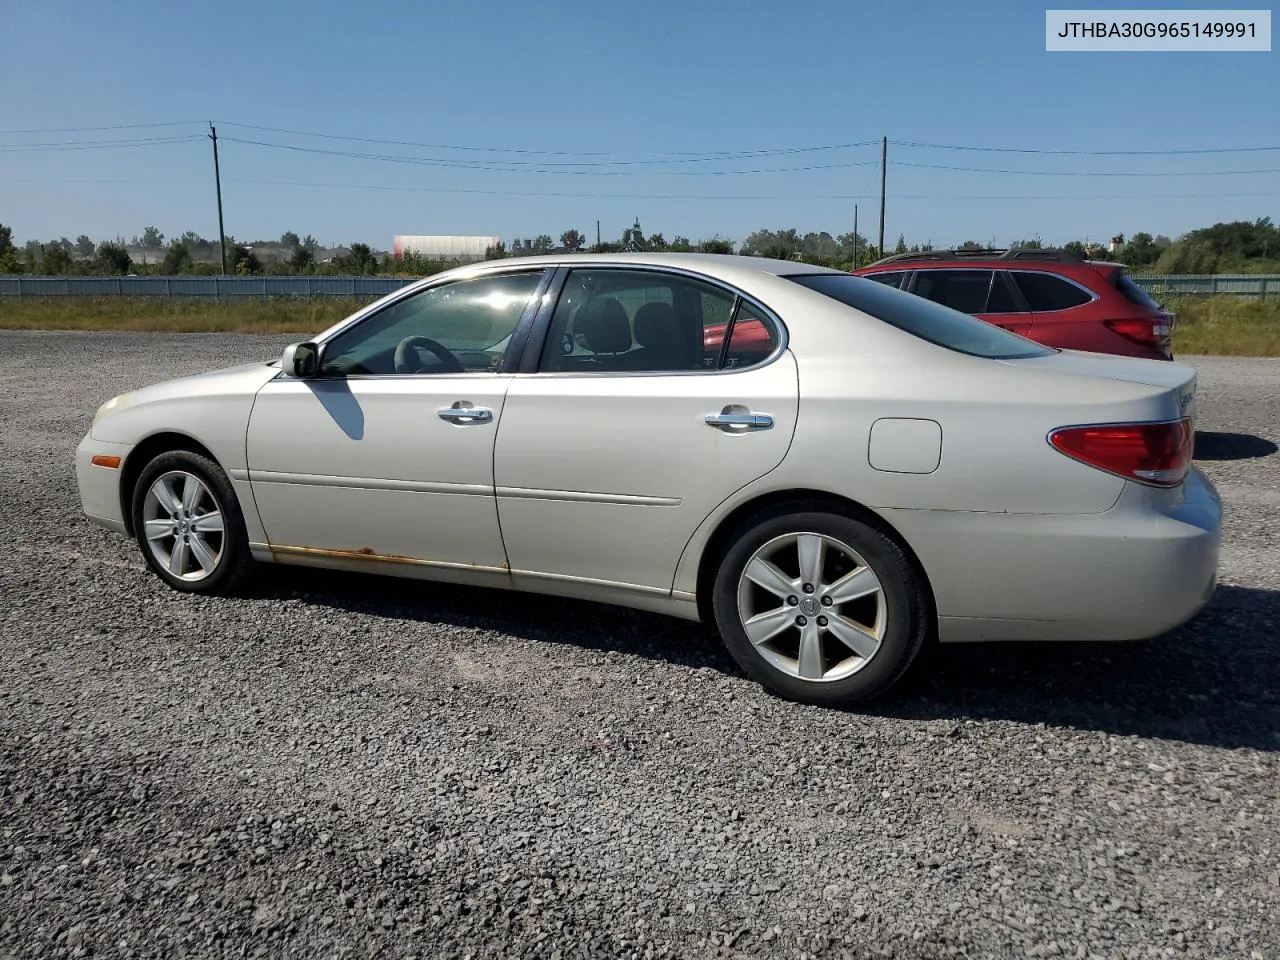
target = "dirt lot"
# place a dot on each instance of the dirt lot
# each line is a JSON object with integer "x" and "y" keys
{"x": 339, "y": 766}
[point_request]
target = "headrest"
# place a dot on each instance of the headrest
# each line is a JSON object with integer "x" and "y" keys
{"x": 604, "y": 324}
{"x": 657, "y": 325}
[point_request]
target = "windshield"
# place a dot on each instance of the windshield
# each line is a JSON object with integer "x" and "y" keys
{"x": 923, "y": 318}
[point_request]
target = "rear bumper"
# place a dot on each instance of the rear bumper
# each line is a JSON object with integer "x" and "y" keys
{"x": 99, "y": 486}
{"x": 1143, "y": 567}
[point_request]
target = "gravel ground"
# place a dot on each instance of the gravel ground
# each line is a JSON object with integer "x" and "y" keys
{"x": 342, "y": 766}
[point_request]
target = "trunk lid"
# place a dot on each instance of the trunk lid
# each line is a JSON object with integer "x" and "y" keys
{"x": 1178, "y": 378}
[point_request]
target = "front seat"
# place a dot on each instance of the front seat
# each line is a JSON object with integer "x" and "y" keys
{"x": 604, "y": 325}
{"x": 663, "y": 339}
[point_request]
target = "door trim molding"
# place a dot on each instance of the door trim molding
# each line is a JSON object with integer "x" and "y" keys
{"x": 370, "y": 483}
{"x": 275, "y": 550}
{"x": 584, "y": 496}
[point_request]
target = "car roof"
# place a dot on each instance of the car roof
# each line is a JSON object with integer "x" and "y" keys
{"x": 1047, "y": 259}
{"x": 710, "y": 263}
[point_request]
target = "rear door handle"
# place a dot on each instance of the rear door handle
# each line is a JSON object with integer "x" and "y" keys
{"x": 736, "y": 419}
{"x": 464, "y": 413}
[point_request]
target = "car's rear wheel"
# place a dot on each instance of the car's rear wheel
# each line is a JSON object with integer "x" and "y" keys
{"x": 820, "y": 608}
{"x": 188, "y": 523}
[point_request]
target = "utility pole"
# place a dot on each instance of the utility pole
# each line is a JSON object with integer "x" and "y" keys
{"x": 217, "y": 180}
{"x": 597, "y": 233}
{"x": 884, "y": 164}
{"x": 855, "y": 236}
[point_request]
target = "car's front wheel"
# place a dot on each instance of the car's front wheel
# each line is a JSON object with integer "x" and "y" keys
{"x": 820, "y": 608}
{"x": 188, "y": 523}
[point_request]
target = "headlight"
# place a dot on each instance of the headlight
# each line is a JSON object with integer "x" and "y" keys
{"x": 109, "y": 406}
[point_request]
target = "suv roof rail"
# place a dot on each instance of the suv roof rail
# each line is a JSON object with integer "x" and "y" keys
{"x": 1043, "y": 255}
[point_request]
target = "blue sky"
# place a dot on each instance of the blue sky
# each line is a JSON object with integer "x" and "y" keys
{"x": 615, "y": 83}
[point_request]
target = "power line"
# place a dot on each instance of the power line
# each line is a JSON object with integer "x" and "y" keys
{"x": 94, "y": 144}
{"x": 1084, "y": 153}
{"x": 1084, "y": 173}
{"x": 489, "y": 166}
{"x": 870, "y": 195}
{"x": 117, "y": 126}
{"x": 740, "y": 197}
{"x": 679, "y": 156}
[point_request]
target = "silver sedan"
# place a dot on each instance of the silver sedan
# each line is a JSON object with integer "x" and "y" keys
{"x": 829, "y": 470}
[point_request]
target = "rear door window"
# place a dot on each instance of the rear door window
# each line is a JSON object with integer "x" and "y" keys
{"x": 1001, "y": 298}
{"x": 963, "y": 290}
{"x": 1046, "y": 293}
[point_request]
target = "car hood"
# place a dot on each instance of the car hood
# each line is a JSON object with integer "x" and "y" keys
{"x": 245, "y": 378}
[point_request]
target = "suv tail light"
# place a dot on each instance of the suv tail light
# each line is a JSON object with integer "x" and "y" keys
{"x": 1157, "y": 454}
{"x": 1146, "y": 333}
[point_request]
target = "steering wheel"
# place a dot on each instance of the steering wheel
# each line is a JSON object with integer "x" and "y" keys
{"x": 405, "y": 363}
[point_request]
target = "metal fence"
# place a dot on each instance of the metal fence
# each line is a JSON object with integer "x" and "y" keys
{"x": 212, "y": 288}
{"x": 1241, "y": 285}
{"x": 236, "y": 287}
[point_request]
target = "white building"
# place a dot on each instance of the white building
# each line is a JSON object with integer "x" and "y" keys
{"x": 443, "y": 247}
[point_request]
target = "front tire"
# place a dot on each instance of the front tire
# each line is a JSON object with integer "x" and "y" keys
{"x": 818, "y": 607}
{"x": 188, "y": 523}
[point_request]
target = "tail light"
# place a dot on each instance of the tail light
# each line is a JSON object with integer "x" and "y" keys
{"x": 1157, "y": 454}
{"x": 1146, "y": 333}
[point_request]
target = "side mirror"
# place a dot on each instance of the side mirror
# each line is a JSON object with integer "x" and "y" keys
{"x": 301, "y": 360}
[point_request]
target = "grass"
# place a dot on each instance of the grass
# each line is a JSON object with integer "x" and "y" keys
{"x": 1223, "y": 325}
{"x": 273, "y": 315}
{"x": 1226, "y": 326}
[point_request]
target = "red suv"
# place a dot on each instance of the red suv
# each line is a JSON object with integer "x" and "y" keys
{"x": 1053, "y": 296}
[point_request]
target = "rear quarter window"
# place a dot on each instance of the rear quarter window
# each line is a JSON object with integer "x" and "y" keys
{"x": 923, "y": 318}
{"x": 1134, "y": 293}
{"x": 890, "y": 278}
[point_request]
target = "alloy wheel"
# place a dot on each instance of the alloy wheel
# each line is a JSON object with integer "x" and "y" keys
{"x": 812, "y": 607}
{"x": 183, "y": 525}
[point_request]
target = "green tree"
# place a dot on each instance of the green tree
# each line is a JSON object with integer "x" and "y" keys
{"x": 497, "y": 252}
{"x": 152, "y": 239}
{"x": 54, "y": 260}
{"x": 1032, "y": 244}
{"x": 775, "y": 244}
{"x": 113, "y": 258}
{"x": 84, "y": 247}
{"x": 680, "y": 245}
{"x": 177, "y": 259}
{"x": 301, "y": 259}
{"x": 9, "y": 262}
{"x": 971, "y": 245}
{"x": 542, "y": 243}
{"x": 656, "y": 243}
{"x": 572, "y": 241}
{"x": 241, "y": 259}
{"x": 715, "y": 245}
{"x": 359, "y": 260}
{"x": 289, "y": 239}
{"x": 1191, "y": 255}
{"x": 901, "y": 246}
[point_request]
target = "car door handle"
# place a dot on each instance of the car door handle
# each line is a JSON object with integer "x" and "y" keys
{"x": 464, "y": 413}
{"x": 731, "y": 418}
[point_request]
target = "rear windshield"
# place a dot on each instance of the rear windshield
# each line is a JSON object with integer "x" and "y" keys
{"x": 923, "y": 318}
{"x": 1134, "y": 293}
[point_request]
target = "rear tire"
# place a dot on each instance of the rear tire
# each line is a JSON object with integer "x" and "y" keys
{"x": 189, "y": 526}
{"x": 819, "y": 607}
